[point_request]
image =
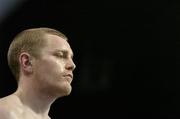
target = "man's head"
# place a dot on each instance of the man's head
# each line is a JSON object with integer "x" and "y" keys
{"x": 30, "y": 41}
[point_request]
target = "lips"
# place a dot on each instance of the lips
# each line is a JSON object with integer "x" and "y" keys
{"x": 69, "y": 77}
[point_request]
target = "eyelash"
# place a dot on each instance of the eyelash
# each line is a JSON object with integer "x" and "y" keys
{"x": 59, "y": 55}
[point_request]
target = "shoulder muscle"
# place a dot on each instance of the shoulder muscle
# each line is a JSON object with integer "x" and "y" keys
{"x": 4, "y": 114}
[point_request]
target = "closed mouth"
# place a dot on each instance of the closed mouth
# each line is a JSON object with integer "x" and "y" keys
{"x": 69, "y": 77}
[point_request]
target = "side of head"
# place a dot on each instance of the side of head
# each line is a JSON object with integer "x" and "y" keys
{"x": 29, "y": 41}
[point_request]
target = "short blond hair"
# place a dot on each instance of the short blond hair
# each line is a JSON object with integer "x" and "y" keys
{"x": 31, "y": 41}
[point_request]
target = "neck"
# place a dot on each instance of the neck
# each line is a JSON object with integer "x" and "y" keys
{"x": 34, "y": 99}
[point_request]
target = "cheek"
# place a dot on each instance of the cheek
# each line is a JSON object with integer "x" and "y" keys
{"x": 61, "y": 66}
{"x": 50, "y": 68}
{"x": 55, "y": 67}
{"x": 54, "y": 72}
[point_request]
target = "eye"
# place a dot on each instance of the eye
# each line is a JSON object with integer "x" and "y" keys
{"x": 59, "y": 54}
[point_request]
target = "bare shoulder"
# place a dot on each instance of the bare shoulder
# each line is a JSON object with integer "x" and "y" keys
{"x": 4, "y": 102}
{"x": 5, "y": 114}
{"x": 6, "y": 107}
{"x": 8, "y": 100}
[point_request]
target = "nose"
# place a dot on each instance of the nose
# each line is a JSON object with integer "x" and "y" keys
{"x": 70, "y": 65}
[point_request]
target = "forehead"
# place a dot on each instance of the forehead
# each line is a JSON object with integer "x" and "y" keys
{"x": 55, "y": 43}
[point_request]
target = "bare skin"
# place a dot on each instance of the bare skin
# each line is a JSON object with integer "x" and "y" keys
{"x": 42, "y": 81}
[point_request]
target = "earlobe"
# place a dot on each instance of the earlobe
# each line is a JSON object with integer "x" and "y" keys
{"x": 25, "y": 62}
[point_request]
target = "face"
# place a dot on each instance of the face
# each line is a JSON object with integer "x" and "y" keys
{"x": 53, "y": 71}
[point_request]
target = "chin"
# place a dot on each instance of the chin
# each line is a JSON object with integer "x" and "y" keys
{"x": 68, "y": 90}
{"x": 64, "y": 91}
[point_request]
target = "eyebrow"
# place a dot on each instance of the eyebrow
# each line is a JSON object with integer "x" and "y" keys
{"x": 64, "y": 51}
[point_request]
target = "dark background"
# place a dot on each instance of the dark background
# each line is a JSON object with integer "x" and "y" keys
{"x": 124, "y": 52}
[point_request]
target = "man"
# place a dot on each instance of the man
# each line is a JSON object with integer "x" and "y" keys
{"x": 41, "y": 61}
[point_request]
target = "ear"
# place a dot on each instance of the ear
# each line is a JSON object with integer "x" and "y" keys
{"x": 25, "y": 61}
